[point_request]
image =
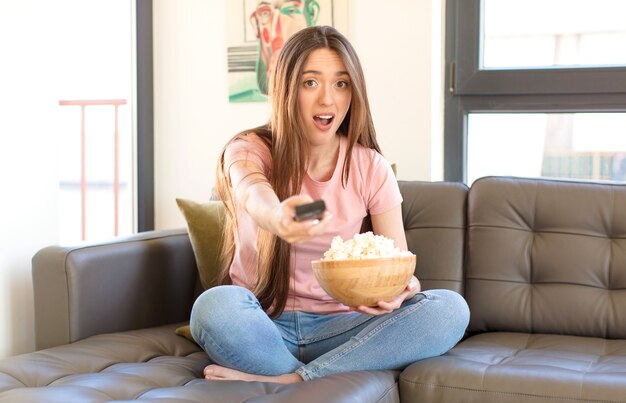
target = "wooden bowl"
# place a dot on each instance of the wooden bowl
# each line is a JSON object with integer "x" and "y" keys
{"x": 364, "y": 281}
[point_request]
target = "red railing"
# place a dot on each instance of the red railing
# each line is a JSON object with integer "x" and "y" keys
{"x": 84, "y": 103}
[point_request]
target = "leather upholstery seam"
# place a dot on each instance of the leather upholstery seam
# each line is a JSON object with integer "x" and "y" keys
{"x": 436, "y": 227}
{"x": 386, "y": 391}
{"x": 480, "y": 226}
{"x": 541, "y": 283}
{"x": 69, "y": 297}
{"x": 567, "y": 181}
{"x": 608, "y": 275}
{"x": 114, "y": 242}
{"x": 558, "y": 398}
{"x": 14, "y": 377}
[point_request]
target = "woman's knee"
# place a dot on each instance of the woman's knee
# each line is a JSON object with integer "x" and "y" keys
{"x": 225, "y": 295}
{"x": 453, "y": 310}
{"x": 220, "y": 303}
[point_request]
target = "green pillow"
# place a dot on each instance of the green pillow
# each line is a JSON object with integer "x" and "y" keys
{"x": 185, "y": 331}
{"x": 205, "y": 222}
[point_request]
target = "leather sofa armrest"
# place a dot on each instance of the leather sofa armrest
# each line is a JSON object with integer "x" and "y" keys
{"x": 143, "y": 280}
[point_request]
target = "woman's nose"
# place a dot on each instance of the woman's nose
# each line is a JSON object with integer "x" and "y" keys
{"x": 326, "y": 95}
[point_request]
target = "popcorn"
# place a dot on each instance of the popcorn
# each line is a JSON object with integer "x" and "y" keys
{"x": 363, "y": 246}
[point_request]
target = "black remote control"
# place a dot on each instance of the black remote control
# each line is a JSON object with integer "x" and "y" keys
{"x": 310, "y": 211}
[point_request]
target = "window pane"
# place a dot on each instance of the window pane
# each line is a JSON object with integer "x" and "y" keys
{"x": 94, "y": 120}
{"x": 548, "y": 33}
{"x": 563, "y": 145}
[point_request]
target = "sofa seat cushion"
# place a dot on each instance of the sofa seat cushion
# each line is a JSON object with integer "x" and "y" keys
{"x": 519, "y": 367}
{"x": 155, "y": 364}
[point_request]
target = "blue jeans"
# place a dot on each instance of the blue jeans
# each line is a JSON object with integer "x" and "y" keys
{"x": 228, "y": 322}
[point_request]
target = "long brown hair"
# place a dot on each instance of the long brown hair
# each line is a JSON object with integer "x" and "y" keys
{"x": 289, "y": 149}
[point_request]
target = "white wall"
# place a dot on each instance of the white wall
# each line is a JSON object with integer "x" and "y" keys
{"x": 28, "y": 164}
{"x": 400, "y": 46}
{"x": 43, "y": 61}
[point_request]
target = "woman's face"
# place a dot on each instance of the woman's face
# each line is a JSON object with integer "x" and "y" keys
{"x": 324, "y": 95}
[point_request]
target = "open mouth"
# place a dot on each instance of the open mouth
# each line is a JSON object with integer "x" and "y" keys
{"x": 323, "y": 121}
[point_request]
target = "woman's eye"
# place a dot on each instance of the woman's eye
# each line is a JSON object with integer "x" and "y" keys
{"x": 343, "y": 84}
{"x": 309, "y": 83}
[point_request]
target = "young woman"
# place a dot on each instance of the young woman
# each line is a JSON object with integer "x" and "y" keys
{"x": 270, "y": 320}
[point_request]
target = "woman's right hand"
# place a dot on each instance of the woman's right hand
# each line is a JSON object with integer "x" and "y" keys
{"x": 294, "y": 231}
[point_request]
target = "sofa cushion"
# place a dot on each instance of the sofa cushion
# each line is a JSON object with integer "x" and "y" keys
{"x": 517, "y": 367}
{"x": 547, "y": 256}
{"x": 155, "y": 364}
{"x": 205, "y": 226}
{"x": 103, "y": 367}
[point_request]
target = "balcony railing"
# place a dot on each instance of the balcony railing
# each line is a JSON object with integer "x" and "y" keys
{"x": 596, "y": 165}
{"x": 83, "y": 104}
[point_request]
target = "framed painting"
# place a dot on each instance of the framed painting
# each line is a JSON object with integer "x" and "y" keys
{"x": 257, "y": 29}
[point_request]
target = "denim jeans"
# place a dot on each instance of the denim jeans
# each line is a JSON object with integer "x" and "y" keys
{"x": 229, "y": 323}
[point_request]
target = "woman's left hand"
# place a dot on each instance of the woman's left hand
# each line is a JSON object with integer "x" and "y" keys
{"x": 389, "y": 306}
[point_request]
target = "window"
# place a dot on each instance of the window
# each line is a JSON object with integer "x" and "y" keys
{"x": 560, "y": 33}
{"x": 535, "y": 88}
{"x": 77, "y": 88}
{"x": 94, "y": 128}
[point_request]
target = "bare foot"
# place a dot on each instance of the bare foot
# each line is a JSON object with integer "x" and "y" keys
{"x": 215, "y": 372}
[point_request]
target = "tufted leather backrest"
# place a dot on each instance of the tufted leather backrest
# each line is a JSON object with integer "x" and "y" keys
{"x": 547, "y": 256}
{"x": 435, "y": 225}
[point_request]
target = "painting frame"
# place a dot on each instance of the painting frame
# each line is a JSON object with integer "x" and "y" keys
{"x": 245, "y": 63}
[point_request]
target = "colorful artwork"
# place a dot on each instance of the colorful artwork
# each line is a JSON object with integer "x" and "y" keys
{"x": 257, "y": 31}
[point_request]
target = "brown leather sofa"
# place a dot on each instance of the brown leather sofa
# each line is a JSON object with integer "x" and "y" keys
{"x": 542, "y": 264}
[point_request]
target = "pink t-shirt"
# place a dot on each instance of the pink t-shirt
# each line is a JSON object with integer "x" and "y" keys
{"x": 371, "y": 187}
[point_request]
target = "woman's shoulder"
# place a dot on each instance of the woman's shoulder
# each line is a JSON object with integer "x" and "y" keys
{"x": 362, "y": 154}
{"x": 249, "y": 145}
{"x": 253, "y": 137}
